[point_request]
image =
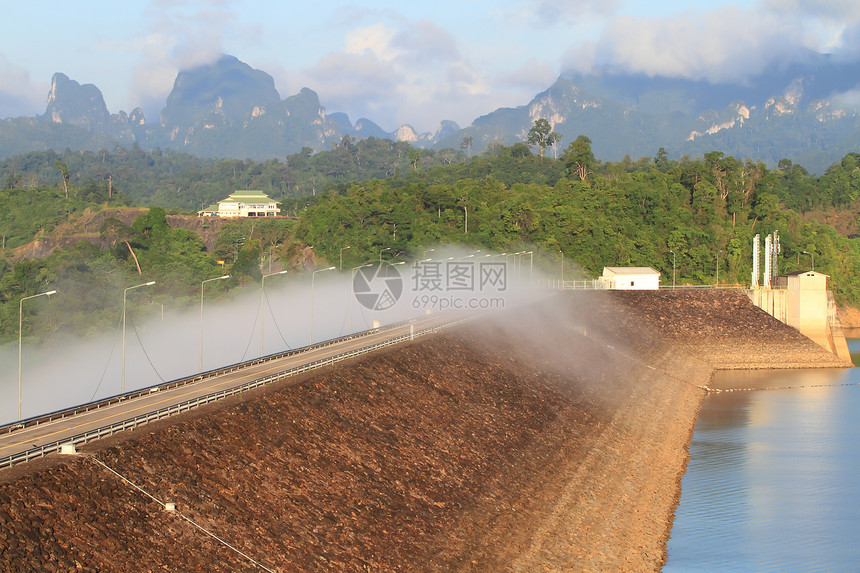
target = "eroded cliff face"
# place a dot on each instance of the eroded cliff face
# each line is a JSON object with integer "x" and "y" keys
{"x": 552, "y": 435}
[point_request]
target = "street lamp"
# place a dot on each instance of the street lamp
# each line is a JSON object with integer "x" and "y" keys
{"x": 262, "y": 297}
{"x": 150, "y": 283}
{"x": 427, "y": 251}
{"x": 811, "y": 256}
{"x": 380, "y": 253}
{"x": 718, "y": 267}
{"x": 351, "y": 283}
{"x": 313, "y": 276}
{"x": 341, "y": 256}
{"x": 531, "y": 268}
{"x": 531, "y": 263}
{"x": 516, "y": 257}
{"x": 673, "y": 267}
{"x": 561, "y": 285}
{"x": 201, "y": 314}
{"x": 20, "y": 326}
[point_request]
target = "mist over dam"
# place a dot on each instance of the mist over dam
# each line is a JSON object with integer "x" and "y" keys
{"x": 552, "y": 435}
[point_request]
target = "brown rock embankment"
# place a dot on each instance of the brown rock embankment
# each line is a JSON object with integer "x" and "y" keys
{"x": 551, "y": 437}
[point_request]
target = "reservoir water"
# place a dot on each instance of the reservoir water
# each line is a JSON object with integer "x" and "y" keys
{"x": 773, "y": 481}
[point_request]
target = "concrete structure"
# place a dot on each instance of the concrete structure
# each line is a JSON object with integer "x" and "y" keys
{"x": 756, "y": 264}
{"x": 801, "y": 299}
{"x": 630, "y": 278}
{"x": 246, "y": 203}
{"x": 807, "y": 301}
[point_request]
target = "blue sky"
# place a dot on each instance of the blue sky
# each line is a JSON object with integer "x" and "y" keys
{"x": 402, "y": 62}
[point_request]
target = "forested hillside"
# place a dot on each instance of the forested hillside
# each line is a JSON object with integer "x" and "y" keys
{"x": 699, "y": 215}
{"x": 173, "y": 179}
{"x": 603, "y": 215}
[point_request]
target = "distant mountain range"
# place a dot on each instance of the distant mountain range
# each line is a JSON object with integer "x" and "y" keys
{"x": 228, "y": 109}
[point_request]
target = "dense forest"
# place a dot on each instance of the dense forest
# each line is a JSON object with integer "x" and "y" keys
{"x": 173, "y": 179}
{"x": 696, "y": 216}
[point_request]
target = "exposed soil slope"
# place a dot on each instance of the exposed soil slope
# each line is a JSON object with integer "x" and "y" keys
{"x": 550, "y": 437}
{"x": 87, "y": 225}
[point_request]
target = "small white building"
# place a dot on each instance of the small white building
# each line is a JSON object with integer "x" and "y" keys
{"x": 630, "y": 278}
{"x": 247, "y": 203}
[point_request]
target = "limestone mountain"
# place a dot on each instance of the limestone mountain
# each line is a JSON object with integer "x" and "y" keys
{"x": 224, "y": 92}
{"x": 74, "y": 104}
{"x": 802, "y": 111}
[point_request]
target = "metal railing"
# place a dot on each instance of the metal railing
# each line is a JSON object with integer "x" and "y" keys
{"x": 131, "y": 423}
{"x": 96, "y": 405}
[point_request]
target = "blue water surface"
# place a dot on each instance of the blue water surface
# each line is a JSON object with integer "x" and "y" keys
{"x": 772, "y": 482}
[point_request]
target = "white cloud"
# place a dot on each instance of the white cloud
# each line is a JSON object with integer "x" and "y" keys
{"x": 426, "y": 42}
{"x": 18, "y": 94}
{"x": 728, "y": 43}
{"x": 551, "y": 12}
{"x": 532, "y": 75}
{"x": 847, "y": 100}
{"x": 402, "y": 72}
{"x": 725, "y": 44}
{"x": 830, "y": 24}
{"x": 833, "y": 10}
{"x": 181, "y": 35}
{"x": 375, "y": 39}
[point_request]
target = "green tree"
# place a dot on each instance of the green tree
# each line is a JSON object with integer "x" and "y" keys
{"x": 65, "y": 174}
{"x": 552, "y": 139}
{"x": 414, "y": 157}
{"x": 579, "y": 158}
{"x": 466, "y": 145}
{"x": 539, "y": 135}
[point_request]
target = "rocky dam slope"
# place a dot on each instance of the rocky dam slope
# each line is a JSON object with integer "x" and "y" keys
{"x": 549, "y": 437}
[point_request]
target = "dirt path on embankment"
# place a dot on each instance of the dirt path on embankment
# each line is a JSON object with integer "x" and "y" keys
{"x": 552, "y": 438}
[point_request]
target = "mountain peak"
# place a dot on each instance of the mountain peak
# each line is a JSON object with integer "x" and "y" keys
{"x": 72, "y": 103}
{"x": 227, "y": 90}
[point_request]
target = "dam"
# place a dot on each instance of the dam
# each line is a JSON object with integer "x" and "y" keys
{"x": 551, "y": 436}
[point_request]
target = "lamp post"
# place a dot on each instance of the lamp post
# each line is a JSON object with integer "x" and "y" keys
{"x": 531, "y": 268}
{"x": 427, "y": 251}
{"x": 201, "y": 314}
{"x": 811, "y": 256}
{"x": 313, "y": 276}
{"x": 20, "y": 326}
{"x": 561, "y": 284}
{"x": 516, "y": 257}
{"x": 531, "y": 262}
{"x": 262, "y": 298}
{"x": 673, "y": 267}
{"x": 341, "y": 256}
{"x": 381, "y": 251}
{"x": 351, "y": 282}
{"x": 718, "y": 267}
{"x": 150, "y": 283}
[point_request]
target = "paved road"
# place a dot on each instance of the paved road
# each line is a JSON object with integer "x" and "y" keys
{"x": 57, "y": 431}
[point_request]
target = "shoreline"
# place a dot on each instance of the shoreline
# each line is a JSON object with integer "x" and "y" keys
{"x": 551, "y": 437}
{"x": 634, "y": 544}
